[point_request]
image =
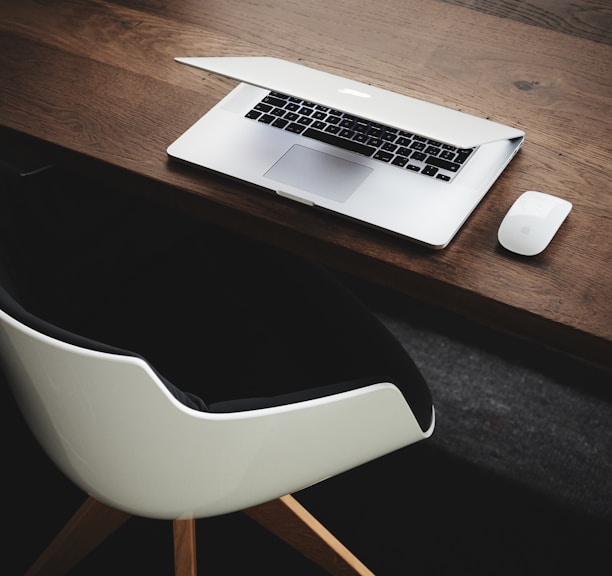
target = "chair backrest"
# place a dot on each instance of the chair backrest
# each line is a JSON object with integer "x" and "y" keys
{"x": 112, "y": 426}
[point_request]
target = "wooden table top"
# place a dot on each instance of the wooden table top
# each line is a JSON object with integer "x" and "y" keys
{"x": 94, "y": 85}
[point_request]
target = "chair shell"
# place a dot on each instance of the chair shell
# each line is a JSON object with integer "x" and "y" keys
{"x": 109, "y": 423}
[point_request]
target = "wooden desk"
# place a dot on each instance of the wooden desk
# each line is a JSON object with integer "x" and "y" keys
{"x": 94, "y": 85}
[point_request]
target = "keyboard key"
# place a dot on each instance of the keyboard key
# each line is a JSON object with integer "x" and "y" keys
{"x": 266, "y": 118}
{"x": 274, "y": 101}
{"x": 384, "y": 156}
{"x": 403, "y": 151}
{"x": 263, "y": 107}
{"x": 463, "y": 155}
{"x": 441, "y": 163}
{"x": 295, "y": 128}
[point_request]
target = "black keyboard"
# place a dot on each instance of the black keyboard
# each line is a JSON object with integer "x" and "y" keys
{"x": 390, "y": 145}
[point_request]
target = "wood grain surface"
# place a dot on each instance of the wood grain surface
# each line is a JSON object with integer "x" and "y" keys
{"x": 590, "y": 20}
{"x": 93, "y": 84}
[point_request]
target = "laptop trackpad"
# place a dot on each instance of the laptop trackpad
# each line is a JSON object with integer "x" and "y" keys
{"x": 318, "y": 173}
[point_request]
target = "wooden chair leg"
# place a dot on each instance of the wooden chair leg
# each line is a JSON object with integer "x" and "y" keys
{"x": 184, "y": 548}
{"x": 291, "y": 522}
{"x": 92, "y": 523}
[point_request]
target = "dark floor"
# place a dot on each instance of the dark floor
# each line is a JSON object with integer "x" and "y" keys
{"x": 418, "y": 511}
{"x": 517, "y": 478}
{"x": 487, "y": 494}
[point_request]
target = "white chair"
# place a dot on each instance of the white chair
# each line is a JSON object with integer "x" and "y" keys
{"x": 136, "y": 445}
{"x": 112, "y": 426}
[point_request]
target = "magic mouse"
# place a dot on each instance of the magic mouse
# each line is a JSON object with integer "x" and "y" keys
{"x": 531, "y": 222}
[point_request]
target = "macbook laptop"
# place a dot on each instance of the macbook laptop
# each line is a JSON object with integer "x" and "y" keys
{"x": 402, "y": 165}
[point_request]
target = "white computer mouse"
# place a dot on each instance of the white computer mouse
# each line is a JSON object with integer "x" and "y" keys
{"x": 531, "y": 222}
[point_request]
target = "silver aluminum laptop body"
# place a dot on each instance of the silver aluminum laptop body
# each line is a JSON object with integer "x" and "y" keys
{"x": 410, "y": 204}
